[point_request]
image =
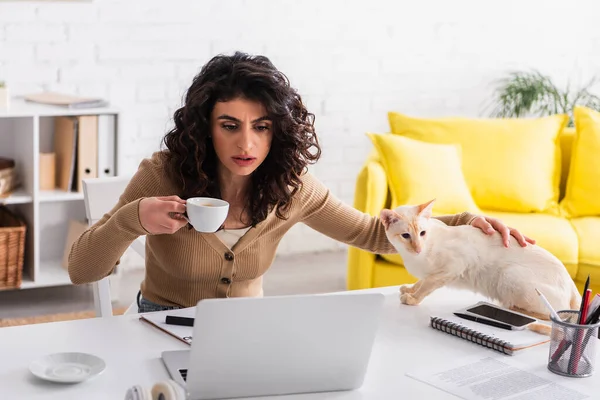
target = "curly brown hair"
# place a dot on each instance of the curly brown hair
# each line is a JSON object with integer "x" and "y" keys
{"x": 191, "y": 157}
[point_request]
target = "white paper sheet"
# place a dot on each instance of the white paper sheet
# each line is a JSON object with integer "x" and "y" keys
{"x": 183, "y": 333}
{"x": 490, "y": 378}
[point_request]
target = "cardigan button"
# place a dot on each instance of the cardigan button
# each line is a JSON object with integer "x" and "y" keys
{"x": 226, "y": 281}
{"x": 229, "y": 256}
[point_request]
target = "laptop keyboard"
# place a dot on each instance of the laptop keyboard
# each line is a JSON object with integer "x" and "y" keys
{"x": 183, "y": 373}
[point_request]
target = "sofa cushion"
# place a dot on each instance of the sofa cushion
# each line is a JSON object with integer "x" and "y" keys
{"x": 588, "y": 231}
{"x": 582, "y": 196}
{"x": 511, "y": 165}
{"x": 567, "y": 138}
{"x": 555, "y": 234}
{"x": 418, "y": 172}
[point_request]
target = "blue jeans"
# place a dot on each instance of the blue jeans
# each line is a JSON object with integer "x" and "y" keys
{"x": 145, "y": 305}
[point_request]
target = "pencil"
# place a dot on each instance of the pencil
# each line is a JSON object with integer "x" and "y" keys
{"x": 593, "y": 314}
{"x": 593, "y": 319}
{"x": 548, "y": 305}
{"x": 585, "y": 288}
{"x": 576, "y": 352}
{"x": 586, "y": 306}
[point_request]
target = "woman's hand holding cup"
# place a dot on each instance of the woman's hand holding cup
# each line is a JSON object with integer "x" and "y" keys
{"x": 160, "y": 215}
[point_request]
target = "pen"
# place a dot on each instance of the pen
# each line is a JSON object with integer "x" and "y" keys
{"x": 588, "y": 335}
{"x": 484, "y": 321}
{"x": 562, "y": 347}
{"x": 593, "y": 310}
{"x": 576, "y": 352}
{"x": 564, "y": 344}
{"x": 583, "y": 301}
{"x": 586, "y": 307}
{"x": 548, "y": 305}
{"x": 175, "y": 320}
{"x": 594, "y": 319}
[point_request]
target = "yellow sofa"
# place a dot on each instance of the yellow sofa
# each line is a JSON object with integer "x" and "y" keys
{"x": 574, "y": 240}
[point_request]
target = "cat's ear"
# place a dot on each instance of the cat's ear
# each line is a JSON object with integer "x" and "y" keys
{"x": 424, "y": 210}
{"x": 388, "y": 217}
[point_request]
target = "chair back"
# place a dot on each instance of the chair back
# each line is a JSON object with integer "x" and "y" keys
{"x": 100, "y": 196}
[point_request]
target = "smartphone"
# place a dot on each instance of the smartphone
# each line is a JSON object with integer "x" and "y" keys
{"x": 496, "y": 313}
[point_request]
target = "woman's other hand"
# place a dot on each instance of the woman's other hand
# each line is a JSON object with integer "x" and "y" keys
{"x": 489, "y": 225}
{"x": 162, "y": 214}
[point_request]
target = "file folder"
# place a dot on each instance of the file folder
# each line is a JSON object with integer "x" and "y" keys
{"x": 106, "y": 145}
{"x": 65, "y": 146}
{"x": 87, "y": 149}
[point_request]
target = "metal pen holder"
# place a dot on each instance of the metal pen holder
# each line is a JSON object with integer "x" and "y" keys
{"x": 572, "y": 346}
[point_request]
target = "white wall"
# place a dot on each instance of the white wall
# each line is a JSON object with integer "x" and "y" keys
{"x": 351, "y": 60}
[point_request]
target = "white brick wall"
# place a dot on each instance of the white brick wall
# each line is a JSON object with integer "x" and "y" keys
{"x": 351, "y": 60}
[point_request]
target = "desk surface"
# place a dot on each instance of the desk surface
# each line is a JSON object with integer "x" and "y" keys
{"x": 132, "y": 348}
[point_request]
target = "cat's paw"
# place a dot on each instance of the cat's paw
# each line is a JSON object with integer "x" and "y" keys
{"x": 408, "y": 299}
{"x": 408, "y": 288}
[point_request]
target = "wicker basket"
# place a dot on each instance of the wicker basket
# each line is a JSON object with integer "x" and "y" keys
{"x": 12, "y": 249}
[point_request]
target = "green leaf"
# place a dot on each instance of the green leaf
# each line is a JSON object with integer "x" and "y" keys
{"x": 524, "y": 93}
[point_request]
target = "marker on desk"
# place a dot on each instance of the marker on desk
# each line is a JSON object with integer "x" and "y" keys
{"x": 484, "y": 321}
{"x": 175, "y": 320}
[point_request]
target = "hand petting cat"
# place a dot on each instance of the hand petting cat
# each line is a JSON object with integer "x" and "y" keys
{"x": 490, "y": 225}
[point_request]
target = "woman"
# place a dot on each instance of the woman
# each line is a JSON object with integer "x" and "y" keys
{"x": 243, "y": 135}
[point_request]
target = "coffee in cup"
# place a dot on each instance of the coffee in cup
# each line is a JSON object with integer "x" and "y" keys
{"x": 206, "y": 214}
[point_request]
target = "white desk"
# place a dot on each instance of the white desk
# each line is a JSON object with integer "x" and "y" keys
{"x": 132, "y": 351}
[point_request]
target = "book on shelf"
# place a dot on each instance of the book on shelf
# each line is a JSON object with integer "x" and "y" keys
{"x": 8, "y": 183}
{"x": 9, "y": 178}
{"x": 6, "y": 163}
{"x": 502, "y": 340}
{"x": 65, "y": 100}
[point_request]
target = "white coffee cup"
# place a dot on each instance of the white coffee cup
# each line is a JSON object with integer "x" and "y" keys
{"x": 206, "y": 214}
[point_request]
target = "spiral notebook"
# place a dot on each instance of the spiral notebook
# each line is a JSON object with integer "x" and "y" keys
{"x": 502, "y": 340}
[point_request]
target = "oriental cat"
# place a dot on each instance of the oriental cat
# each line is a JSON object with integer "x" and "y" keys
{"x": 465, "y": 257}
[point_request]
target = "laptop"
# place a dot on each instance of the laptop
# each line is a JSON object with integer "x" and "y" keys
{"x": 244, "y": 347}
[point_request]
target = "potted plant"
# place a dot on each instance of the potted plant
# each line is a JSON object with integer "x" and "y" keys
{"x": 531, "y": 93}
{"x": 3, "y": 95}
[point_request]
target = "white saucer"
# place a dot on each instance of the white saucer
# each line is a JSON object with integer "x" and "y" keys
{"x": 67, "y": 367}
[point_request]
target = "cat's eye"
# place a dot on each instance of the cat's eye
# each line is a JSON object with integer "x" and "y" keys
{"x": 422, "y": 233}
{"x": 406, "y": 235}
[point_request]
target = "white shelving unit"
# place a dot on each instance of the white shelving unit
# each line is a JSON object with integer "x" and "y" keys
{"x": 26, "y": 129}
